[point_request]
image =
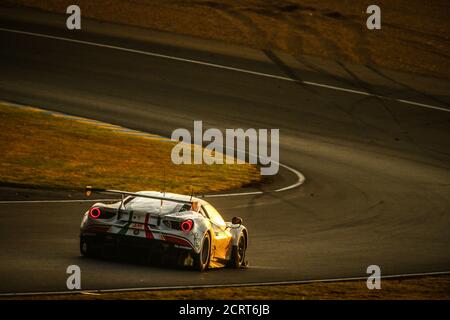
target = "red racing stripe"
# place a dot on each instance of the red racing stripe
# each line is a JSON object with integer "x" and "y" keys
{"x": 177, "y": 240}
{"x": 148, "y": 233}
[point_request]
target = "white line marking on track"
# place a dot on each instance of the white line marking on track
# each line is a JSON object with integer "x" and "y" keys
{"x": 231, "y": 194}
{"x": 422, "y": 105}
{"x": 147, "y": 53}
{"x": 219, "y": 66}
{"x": 250, "y": 284}
{"x": 300, "y": 180}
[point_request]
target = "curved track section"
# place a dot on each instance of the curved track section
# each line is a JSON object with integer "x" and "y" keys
{"x": 378, "y": 169}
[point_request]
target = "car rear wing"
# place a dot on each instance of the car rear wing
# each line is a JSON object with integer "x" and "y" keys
{"x": 89, "y": 190}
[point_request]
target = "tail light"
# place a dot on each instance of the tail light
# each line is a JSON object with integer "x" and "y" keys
{"x": 187, "y": 225}
{"x": 101, "y": 213}
{"x": 95, "y": 213}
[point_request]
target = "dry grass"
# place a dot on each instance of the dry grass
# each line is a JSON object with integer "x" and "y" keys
{"x": 42, "y": 150}
{"x": 414, "y": 37}
{"x": 417, "y": 288}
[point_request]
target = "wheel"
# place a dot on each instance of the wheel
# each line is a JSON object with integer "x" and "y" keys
{"x": 238, "y": 253}
{"x": 201, "y": 260}
{"x": 86, "y": 249}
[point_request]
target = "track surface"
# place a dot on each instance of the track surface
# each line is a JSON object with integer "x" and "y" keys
{"x": 378, "y": 171}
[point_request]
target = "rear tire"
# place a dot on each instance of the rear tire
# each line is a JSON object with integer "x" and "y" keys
{"x": 201, "y": 260}
{"x": 86, "y": 249}
{"x": 238, "y": 253}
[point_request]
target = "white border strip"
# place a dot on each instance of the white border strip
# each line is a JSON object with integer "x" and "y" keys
{"x": 300, "y": 180}
{"x": 219, "y": 66}
{"x": 211, "y": 286}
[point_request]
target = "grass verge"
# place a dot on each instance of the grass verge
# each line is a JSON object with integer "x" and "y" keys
{"x": 413, "y": 288}
{"x": 414, "y": 35}
{"x": 48, "y": 151}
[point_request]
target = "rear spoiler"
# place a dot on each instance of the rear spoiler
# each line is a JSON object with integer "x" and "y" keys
{"x": 89, "y": 190}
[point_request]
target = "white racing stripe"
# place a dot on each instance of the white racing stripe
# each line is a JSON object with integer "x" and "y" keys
{"x": 219, "y": 66}
{"x": 232, "y": 285}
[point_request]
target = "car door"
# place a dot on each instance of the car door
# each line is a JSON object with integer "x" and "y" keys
{"x": 221, "y": 239}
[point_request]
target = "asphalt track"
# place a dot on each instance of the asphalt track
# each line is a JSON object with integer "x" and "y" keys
{"x": 377, "y": 168}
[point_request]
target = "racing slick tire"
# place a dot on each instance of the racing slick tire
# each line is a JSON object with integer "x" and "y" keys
{"x": 86, "y": 248}
{"x": 238, "y": 254}
{"x": 201, "y": 260}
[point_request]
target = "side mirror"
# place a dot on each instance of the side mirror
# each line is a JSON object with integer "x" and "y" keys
{"x": 236, "y": 220}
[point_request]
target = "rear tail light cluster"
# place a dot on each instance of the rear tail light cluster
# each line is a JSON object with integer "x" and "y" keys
{"x": 185, "y": 225}
{"x": 100, "y": 213}
{"x": 95, "y": 213}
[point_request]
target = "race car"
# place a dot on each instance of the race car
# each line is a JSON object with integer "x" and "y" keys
{"x": 163, "y": 224}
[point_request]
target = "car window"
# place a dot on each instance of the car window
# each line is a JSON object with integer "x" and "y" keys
{"x": 214, "y": 215}
{"x": 185, "y": 207}
{"x": 203, "y": 212}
